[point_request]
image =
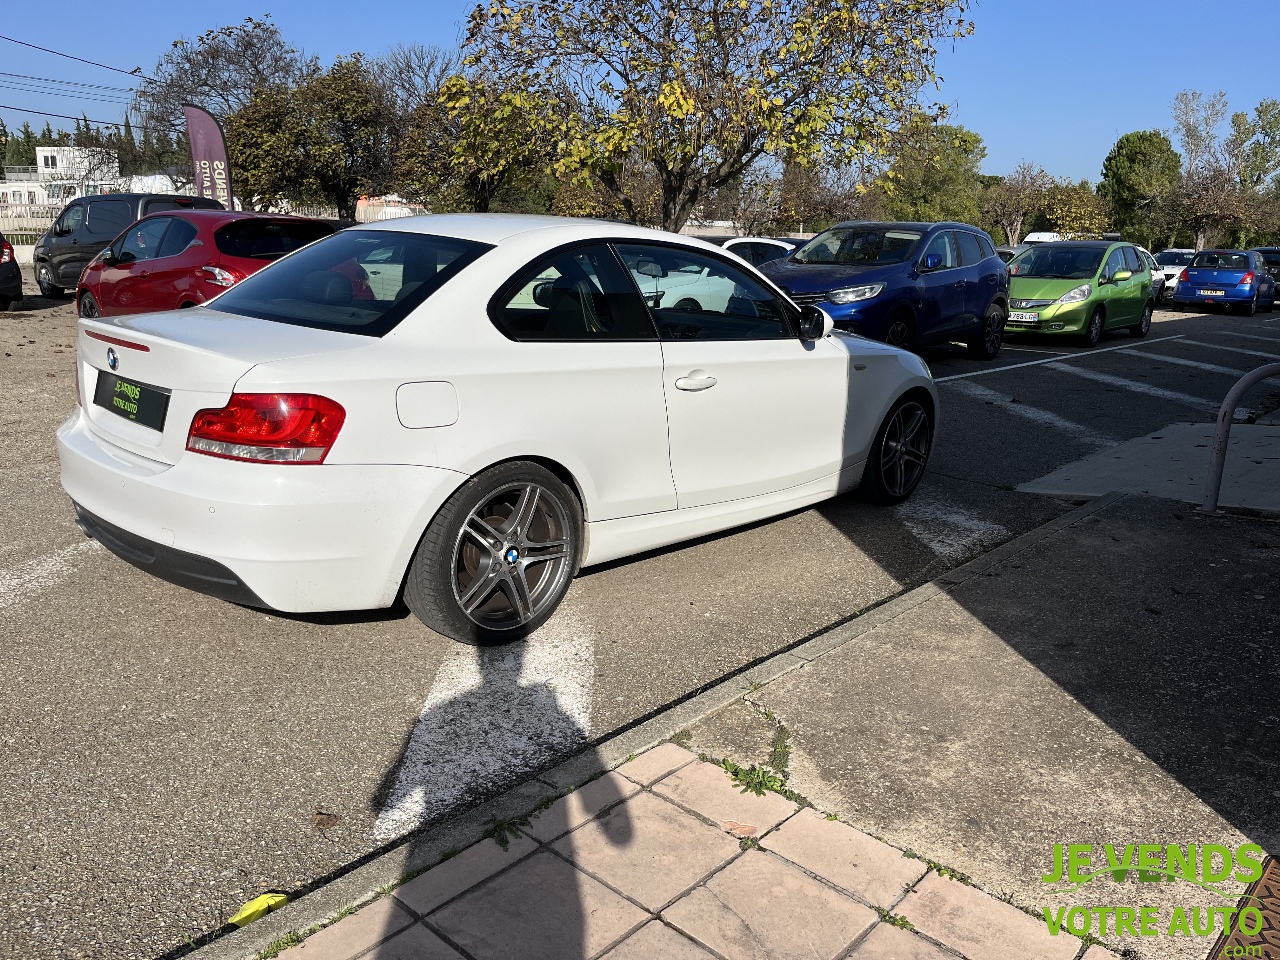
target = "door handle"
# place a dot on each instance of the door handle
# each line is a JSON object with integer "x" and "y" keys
{"x": 75, "y": 243}
{"x": 144, "y": 274}
{"x": 696, "y": 380}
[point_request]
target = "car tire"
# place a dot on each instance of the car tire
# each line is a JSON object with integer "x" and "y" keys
{"x": 689, "y": 304}
{"x": 1143, "y": 326}
{"x": 1252, "y": 307}
{"x": 987, "y": 344}
{"x": 901, "y": 332}
{"x": 1092, "y": 334}
{"x": 44, "y": 280}
{"x": 88, "y": 307}
{"x": 899, "y": 453}
{"x": 470, "y": 576}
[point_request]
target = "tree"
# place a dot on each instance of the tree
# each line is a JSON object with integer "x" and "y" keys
{"x": 936, "y": 174}
{"x": 413, "y": 75}
{"x": 20, "y": 151}
{"x": 1009, "y": 201}
{"x": 1076, "y": 209}
{"x": 220, "y": 71}
{"x": 1139, "y": 177}
{"x": 700, "y": 91}
{"x": 330, "y": 139}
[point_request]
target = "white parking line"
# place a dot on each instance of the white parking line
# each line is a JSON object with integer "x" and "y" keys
{"x": 1248, "y": 353}
{"x": 950, "y": 532}
{"x": 1044, "y": 417}
{"x": 493, "y": 715}
{"x": 1136, "y": 387}
{"x": 1165, "y": 358}
{"x": 28, "y": 580}
{"x": 1250, "y": 336}
{"x": 1056, "y": 353}
{"x": 1035, "y": 363}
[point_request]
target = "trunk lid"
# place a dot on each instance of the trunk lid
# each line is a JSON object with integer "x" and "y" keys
{"x": 1213, "y": 278}
{"x": 195, "y": 356}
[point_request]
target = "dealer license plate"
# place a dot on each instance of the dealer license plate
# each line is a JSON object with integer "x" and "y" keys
{"x": 134, "y": 401}
{"x": 1212, "y": 293}
{"x": 1017, "y": 317}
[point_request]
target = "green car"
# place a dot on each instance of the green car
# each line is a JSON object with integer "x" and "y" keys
{"x": 1080, "y": 288}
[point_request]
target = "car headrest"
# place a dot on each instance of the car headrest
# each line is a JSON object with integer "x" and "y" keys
{"x": 325, "y": 286}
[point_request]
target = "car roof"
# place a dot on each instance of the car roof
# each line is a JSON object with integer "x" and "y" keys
{"x": 1085, "y": 244}
{"x": 1224, "y": 250}
{"x": 226, "y": 216}
{"x": 494, "y": 228}
{"x": 905, "y": 225}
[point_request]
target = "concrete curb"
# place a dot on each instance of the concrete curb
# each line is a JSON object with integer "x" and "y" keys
{"x": 370, "y": 881}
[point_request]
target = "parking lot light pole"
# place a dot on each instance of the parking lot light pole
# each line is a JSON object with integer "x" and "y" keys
{"x": 1226, "y": 413}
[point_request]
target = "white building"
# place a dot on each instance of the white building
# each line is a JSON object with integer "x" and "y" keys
{"x": 61, "y": 174}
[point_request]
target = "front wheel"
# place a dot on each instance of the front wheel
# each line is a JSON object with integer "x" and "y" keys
{"x": 89, "y": 306}
{"x": 1093, "y": 332}
{"x": 987, "y": 344}
{"x": 897, "y": 458}
{"x": 1143, "y": 326}
{"x": 44, "y": 280}
{"x": 900, "y": 333}
{"x": 499, "y": 556}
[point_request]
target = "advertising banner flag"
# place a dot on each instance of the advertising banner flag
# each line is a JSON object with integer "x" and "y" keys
{"x": 208, "y": 155}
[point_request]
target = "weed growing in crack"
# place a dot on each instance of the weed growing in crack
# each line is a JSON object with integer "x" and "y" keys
{"x": 902, "y": 923}
{"x": 748, "y": 843}
{"x": 503, "y": 830}
{"x": 780, "y": 751}
{"x": 681, "y": 738}
{"x": 753, "y": 779}
{"x": 940, "y": 869}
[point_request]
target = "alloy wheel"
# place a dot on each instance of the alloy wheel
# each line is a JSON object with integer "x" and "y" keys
{"x": 994, "y": 332}
{"x": 511, "y": 557}
{"x": 88, "y": 307}
{"x": 898, "y": 335}
{"x": 1094, "y": 333}
{"x": 1145, "y": 324}
{"x": 905, "y": 449}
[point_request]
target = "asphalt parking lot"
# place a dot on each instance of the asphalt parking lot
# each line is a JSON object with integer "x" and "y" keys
{"x": 168, "y": 756}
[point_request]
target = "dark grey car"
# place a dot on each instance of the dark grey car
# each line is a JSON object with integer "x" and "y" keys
{"x": 87, "y": 224}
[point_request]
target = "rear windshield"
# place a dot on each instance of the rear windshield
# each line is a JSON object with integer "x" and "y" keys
{"x": 858, "y": 245}
{"x": 1053, "y": 262}
{"x": 1221, "y": 261}
{"x": 262, "y": 239}
{"x": 1171, "y": 259}
{"x": 357, "y": 281}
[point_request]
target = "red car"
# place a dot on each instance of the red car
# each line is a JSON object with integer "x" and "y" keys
{"x": 181, "y": 258}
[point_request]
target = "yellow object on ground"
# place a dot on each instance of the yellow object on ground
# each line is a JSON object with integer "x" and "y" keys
{"x": 259, "y": 906}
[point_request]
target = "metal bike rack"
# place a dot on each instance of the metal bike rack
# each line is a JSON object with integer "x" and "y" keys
{"x": 1226, "y": 414}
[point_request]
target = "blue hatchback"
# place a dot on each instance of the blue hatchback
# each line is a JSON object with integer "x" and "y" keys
{"x": 1238, "y": 278}
{"x": 907, "y": 284}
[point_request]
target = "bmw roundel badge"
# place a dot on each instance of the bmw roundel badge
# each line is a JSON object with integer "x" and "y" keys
{"x": 513, "y": 555}
{"x": 112, "y": 360}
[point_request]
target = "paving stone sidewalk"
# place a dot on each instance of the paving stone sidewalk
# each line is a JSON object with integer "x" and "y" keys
{"x": 667, "y": 858}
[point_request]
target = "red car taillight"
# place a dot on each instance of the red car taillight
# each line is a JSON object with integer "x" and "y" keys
{"x": 1247, "y": 278}
{"x": 268, "y": 428}
{"x": 221, "y": 276}
{"x": 6, "y": 252}
{"x": 1182, "y": 277}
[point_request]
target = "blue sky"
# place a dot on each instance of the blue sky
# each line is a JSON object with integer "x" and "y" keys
{"x": 1041, "y": 80}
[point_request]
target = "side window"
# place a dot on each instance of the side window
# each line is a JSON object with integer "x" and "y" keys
{"x": 177, "y": 238}
{"x": 694, "y": 296}
{"x": 1115, "y": 263}
{"x": 579, "y": 294}
{"x": 108, "y": 217}
{"x": 987, "y": 249}
{"x": 943, "y": 247}
{"x": 143, "y": 240}
{"x": 1132, "y": 262}
{"x": 71, "y": 220}
{"x": 970, "y": 251}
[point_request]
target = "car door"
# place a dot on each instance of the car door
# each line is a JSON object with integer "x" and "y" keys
{"x": 64, "y": 251}
{"x": 1138, "y": 286}
{"x": 129, "y": 290}
{"x": 981, "y": 278}
{"x": 584, "y": 376}
{"x": 173, "y": 269}
{"x": 751, "y": 408}
{"x": 1112, "y": 291}
{"x": 942, "y": 290}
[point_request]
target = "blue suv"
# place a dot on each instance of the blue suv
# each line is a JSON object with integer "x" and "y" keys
{"x": 907, "y": 284}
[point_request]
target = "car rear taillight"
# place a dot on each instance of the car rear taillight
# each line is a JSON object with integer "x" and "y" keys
{"x": 1247, "y": 278}
{"x": 1182, "y": 277}
{"x": 6, "y": 252}
{"x": 221, "y": 276}
{"x": 268, "y": 428}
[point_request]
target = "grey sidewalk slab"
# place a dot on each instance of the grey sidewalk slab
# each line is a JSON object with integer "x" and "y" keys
{"x": 1174, "y": 463}
{"x": 1111, "y": 682}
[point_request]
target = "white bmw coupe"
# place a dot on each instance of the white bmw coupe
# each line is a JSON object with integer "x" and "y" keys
{"x": 464, "y": 410}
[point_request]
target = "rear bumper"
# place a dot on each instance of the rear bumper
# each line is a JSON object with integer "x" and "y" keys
{"x": 292, "y": 538}
{"x": 1186, "y": 293}
{"x": 11, "y": 280}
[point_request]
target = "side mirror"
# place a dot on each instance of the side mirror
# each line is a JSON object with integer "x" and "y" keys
{"x": 61, "y": 231}
{"x": 815, "y": 323}
{"x": 542, "y": 293}
{"x": 932, "y": 262}
{"x": 1121, "y": 275}
{"x": 107, "y": 258}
